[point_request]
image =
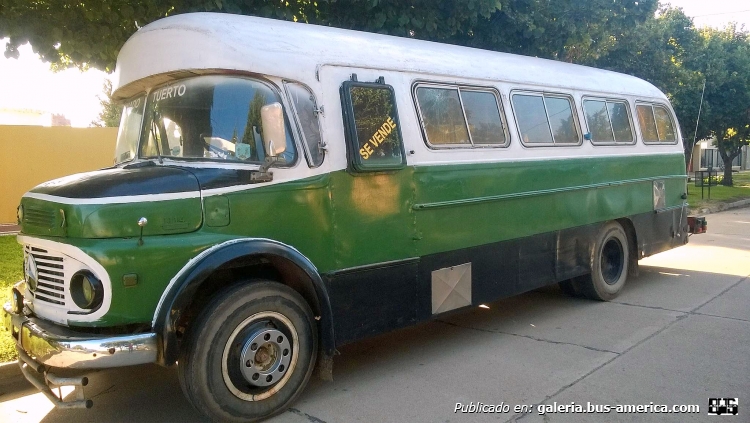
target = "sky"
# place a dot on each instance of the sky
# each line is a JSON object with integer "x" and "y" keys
{"x": 28, "y": 83}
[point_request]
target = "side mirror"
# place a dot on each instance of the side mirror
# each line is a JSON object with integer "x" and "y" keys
{"x": 274, "y": 131}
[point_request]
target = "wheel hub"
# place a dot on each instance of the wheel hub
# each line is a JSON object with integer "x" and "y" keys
{"x": 265, "y": 357}
{"x": 612, "y": 261}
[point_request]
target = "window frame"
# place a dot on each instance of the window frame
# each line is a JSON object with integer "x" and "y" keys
{"x": 288, "y": 118}
{"x": 605, "y": 100}
{"x": 350, "y": 128}
{"x": 466, "y": 87}
{"x": 298, "y": 124}
{"x": 554, "y": 94}
{"x": 671, "y": 118}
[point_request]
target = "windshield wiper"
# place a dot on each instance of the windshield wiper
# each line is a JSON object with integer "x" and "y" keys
{"x": 156, "y": 139}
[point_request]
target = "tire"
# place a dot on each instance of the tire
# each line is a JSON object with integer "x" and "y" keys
{"x": 609, "y": 265}
{"x": 249, "y": 354}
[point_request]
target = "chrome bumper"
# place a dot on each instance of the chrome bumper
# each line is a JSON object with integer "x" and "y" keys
{"x": 56, "y": 346}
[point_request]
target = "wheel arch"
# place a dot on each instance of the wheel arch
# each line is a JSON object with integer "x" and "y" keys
{"x": 223, "y": 265}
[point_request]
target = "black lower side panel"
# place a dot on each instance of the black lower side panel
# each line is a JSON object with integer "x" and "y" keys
{"x": 374, "y": 299}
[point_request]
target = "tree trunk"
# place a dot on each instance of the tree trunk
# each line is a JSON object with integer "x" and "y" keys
{"x": 727, "y": 171}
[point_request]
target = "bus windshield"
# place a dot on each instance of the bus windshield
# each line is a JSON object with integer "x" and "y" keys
{"x": 209, "y": 118}
{"x": 130, "y": 128}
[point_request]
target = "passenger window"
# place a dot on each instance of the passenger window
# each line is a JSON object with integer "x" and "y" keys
{"x": 460, "y": 116}
{"x": 619, "y": 113}
{"x": 305, "y": 111}
{"x": 483, "y": 117}
{"x": 373, "y": 130}
{"x": 561, "y": 120}
{"x": 545, "y": 119}
{"x": 608, "y": 121}
{"x": 442, "y": 116}
{"x": 656, "y": 124}
{"x": 598, "y": 121}
{"x": 664, "y": 124}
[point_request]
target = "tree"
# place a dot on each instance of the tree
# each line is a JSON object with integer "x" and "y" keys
{"x": 111, "y": 110}
{"x": 725, "y": 65}
{"x": 568, "y": 30}
{"x": 662, "y": 51}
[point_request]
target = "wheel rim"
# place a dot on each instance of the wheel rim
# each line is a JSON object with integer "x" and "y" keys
{"x": 612, "y": 261}
{"x": 260, "y": 356}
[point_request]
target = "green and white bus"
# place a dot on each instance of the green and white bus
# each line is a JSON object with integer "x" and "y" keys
{"x": 281, "y": 189}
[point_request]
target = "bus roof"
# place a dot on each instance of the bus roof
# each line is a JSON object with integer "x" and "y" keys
{"x": 219, "y": 41}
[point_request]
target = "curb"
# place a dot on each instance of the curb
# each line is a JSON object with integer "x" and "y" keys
{"x": 722, "y": 206}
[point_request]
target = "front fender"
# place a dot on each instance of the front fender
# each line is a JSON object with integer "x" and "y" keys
{"x": 183, "y": 286}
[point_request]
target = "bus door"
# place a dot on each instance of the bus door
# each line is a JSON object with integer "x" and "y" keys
{"x": 374, "y": 287}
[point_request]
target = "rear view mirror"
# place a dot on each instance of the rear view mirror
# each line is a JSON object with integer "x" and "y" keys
{"x": 274, "y": 131}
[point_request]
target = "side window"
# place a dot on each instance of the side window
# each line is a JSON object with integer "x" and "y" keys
{"x": 664, "y": 124}
{"x": 545, "y": 119}
{"x": 458, "y": 116}
{"x": 442, "y": 116}
{"x": 656, "y": 124}
{"x": 372, "y": 128}
{"x": 306, "y": 114}
{"x": 608, "y": 121}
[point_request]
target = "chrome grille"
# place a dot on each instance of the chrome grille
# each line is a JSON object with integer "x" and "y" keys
{"x": 51, "y": 275}
{"x": 39, "y": 217}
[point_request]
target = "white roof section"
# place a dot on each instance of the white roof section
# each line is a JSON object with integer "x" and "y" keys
{"x": 208, "y": 41}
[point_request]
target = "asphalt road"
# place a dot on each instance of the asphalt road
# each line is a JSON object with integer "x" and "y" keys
{"x": 677, "y": 335}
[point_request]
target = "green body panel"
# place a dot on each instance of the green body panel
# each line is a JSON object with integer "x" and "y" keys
{"x": 469, "y": 205}
{"x": 296, "y": 213}
{"x": 340, "y": 220}
{"x": 116, "y": 220}
{"x": 373, "y": 216}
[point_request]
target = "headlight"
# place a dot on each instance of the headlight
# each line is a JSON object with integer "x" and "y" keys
{"x": 87, "y": 291}
{"x": 30, "y": 272}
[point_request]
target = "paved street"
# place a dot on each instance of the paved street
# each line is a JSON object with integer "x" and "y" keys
{"x": 678, "y": 334}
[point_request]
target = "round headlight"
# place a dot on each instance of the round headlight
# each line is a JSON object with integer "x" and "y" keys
{"x": 87, "y": 291}
{"x": 30, "y": 271}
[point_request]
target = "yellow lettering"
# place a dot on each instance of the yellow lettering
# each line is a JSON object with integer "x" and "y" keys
{"x": 368, "y": 149}
{"x": 391, "y": 122}
{"x": 383, "y": 132}
{"x": 365, "y": 155}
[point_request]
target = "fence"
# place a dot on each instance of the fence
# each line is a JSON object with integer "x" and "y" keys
{"x": 30, "y": 155}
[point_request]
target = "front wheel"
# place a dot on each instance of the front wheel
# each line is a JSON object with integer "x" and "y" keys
{"x": 250, "y": 353}
{"x": 609, "y": 265}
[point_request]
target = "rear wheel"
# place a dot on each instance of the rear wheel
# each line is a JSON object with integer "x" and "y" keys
{"x": 250, "y": 353}
{"x": 609, "y": 265}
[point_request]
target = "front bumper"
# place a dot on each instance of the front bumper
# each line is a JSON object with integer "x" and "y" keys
{"x": 56, "y": 346}
{"x": 42, "y": 346}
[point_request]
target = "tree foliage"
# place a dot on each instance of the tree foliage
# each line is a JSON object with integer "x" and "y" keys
{"x": 724, "y": 62}
{"x": 111, "y": 111}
